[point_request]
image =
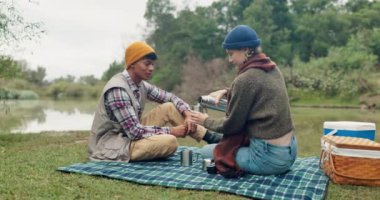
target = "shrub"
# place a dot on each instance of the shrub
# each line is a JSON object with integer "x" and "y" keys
{"x": 18, "y": 94}
{"x": 27, "y": 95}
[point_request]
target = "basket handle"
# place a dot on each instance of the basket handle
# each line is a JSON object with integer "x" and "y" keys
{"x": 322, "y": 159}
{"x": 332, "y": 132}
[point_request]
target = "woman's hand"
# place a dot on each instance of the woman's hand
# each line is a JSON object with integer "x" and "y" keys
{"x": 218, "y": 95}
{"x": 198, "y": 117}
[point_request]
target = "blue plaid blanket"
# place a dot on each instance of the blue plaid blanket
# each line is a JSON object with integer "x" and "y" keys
{"x": 304, "y": 181}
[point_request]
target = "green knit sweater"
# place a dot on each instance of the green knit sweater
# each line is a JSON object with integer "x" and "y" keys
{"x": 259, "y": 106}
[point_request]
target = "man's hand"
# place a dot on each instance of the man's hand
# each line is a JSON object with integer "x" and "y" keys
{"x": 198, "y": 117}
{"x": 191, "y": 127}
{"x": 178, "y": 131}
{"x": 218, "y": 95}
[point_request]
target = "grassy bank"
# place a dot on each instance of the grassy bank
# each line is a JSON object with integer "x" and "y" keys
{"x": 28, "y": 164}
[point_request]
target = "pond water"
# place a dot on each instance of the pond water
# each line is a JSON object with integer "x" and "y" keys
{"x": 49, "y": 116}
{"x": 56, "y": 121}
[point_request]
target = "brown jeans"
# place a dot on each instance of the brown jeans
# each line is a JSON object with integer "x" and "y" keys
{"x": 160, "y": 146}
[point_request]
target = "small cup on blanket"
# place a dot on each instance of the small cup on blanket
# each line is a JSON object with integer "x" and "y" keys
{"x": 186, "y": 157}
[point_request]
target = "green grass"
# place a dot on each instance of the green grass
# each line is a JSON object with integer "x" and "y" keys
{"x": 28, "y": 165}
{"x": 309, "y": 98}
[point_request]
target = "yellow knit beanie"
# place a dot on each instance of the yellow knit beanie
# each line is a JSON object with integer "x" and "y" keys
{"x": 136, "y": 51}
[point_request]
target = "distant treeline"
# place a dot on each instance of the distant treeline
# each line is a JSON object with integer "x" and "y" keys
{"x": 22, "y": 87}
{"x": 326, "y": 47}
{"x": 323, "y": 46}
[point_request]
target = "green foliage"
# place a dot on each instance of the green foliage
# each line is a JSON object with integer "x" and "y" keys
{"x": 316, "y": 78}
{"x": 27, "y": 95}
{"x": 300, "y": 96}
{"x": 363, "y": 14}
{"x": 334, "y": 44}
{"x": 113, "y": 69}
{"x": 70, "y": 90}
{"x": 352, "y": 57}
{"x": 174, "y": 37}
{"x": 35, "y": 76}
{"x": 372, "y": 40}
{"x": 75, "y": 90}
{"x": 273, "y": 30}
{"x": 88, "y": 80}
{"x": 311, "y": 6}
{"x": 55, "y": 90}
{"x": 316, "y": 33}
{"x": 18, "y": 94}
{"x": 17, "y": 84}
{"x": 341, "y": 73}
{"x": 227, "y": 13}
{"x": 68, "y": 79}
{"x": 158, "y": 12}
{"x": 6, "y": 94}
{"x": 9, "y": 68}
{"x": 13, "y": 26}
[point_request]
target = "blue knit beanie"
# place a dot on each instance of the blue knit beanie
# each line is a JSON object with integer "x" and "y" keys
{"x": 242, "y": 36}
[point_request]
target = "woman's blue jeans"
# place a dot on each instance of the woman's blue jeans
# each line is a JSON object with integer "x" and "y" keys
{"x": 261, "y": 157}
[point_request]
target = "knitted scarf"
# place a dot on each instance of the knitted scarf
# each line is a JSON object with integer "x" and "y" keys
{"x": 257, "y": 61}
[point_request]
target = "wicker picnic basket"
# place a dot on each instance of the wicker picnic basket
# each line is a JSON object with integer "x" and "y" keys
{"x": 349, "y": 160}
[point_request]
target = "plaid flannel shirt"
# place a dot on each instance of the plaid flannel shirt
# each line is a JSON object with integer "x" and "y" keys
{"x": 120, "y": 109}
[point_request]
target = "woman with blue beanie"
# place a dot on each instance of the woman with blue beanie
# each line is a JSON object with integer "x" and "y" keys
{"x": 258, "y": 133}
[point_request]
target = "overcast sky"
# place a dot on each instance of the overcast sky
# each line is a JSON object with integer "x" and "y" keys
{"x": 83, "y": 36}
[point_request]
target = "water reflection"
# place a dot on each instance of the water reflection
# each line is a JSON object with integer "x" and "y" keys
{"x": 38, "y": 116}
{"x": 54, "y": 120}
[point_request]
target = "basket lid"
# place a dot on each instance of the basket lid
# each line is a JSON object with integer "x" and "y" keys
{"x": 351, "y": 142}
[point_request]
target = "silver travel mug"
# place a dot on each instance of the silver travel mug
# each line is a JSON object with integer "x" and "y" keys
{"x": 186, "y": 157}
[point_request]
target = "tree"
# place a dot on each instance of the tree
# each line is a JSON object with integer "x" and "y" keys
{"x": 273, "y": 23}
{"x": 88, "y": 80}
{"x": 227, "y": 13}
{"x": 158, "y": 12}
{"x": 362, "y": 14}
{"x": 35, "y": 76}
{"x": 67, "y": 79}
{"x": 342, "y": 72}
{"x": 320, "y": 25}
{"x": 9, "y": 68}
{"x": 176, "y": 36}
{"x": 113, "y": 69}
{"x": 374, "y": 42}
{"x": 13, "y": 27}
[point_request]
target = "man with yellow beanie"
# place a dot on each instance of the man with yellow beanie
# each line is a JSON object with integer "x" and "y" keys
{"x": 121, "y": 133}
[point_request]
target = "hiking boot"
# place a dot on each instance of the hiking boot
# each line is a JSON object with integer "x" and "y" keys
{"x": 212, "y": 137}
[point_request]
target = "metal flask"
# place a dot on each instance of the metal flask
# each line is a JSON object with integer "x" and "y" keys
{"x": 186, "y": 157}
{"x": 209, "y": 102}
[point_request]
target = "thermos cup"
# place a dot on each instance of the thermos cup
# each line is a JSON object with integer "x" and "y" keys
{"x": 186, "y": 157}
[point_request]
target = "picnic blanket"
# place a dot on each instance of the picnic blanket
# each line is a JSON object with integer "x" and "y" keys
{"x": 305, "y": 180}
